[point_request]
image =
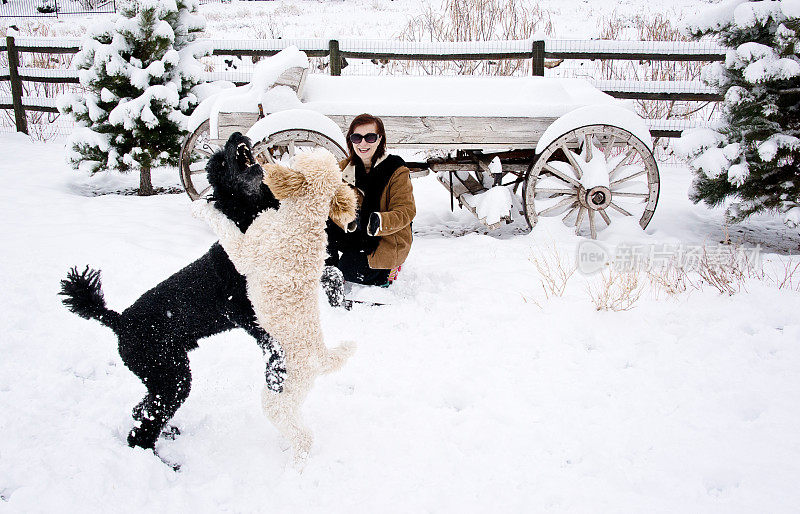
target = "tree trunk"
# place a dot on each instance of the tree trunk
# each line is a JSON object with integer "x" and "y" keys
{"x": 145, "y": 183}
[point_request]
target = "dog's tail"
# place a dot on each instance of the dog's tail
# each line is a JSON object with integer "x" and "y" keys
{"x": 336, "y": 357}
{"x": 84, "y": 297}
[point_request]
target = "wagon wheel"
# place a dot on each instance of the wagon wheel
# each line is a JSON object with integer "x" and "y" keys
{"x": 280, "y": 147}
{"x": 591, "y": 176}
{"x": 195, "y": 152}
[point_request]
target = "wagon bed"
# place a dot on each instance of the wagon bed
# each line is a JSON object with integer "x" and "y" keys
{"x": 573, "y": 150}
{"x": 431, "y": 112}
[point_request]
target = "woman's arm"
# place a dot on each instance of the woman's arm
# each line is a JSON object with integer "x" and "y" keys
{"x": 401, "y": 208}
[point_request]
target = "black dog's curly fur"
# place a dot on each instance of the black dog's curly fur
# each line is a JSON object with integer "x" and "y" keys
{"x": 206, "y": 297}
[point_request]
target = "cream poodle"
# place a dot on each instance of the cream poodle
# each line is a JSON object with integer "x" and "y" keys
{"x": 282, "y": 256}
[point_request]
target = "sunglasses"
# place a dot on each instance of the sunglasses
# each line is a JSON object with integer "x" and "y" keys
{"x": 369, "y": 138}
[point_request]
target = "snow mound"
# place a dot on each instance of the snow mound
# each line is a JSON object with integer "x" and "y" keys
{"x": 259, "y": 91}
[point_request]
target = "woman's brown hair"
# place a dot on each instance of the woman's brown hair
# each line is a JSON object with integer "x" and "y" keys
{"x": 366, "y": 119}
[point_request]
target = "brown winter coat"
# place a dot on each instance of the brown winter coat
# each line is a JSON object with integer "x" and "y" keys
{"x": 397, "y": 210}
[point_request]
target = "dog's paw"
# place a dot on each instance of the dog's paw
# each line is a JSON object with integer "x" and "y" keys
{"x": 170, "y": 432}
{"x": 297, "y": 463}
{"x": 301, "y": 449}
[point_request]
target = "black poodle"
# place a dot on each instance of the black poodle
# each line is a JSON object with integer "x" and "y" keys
{"x": 206, "y": 297}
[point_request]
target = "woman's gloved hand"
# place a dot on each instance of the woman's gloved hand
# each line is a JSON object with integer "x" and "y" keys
{"x": 374, "y": 225}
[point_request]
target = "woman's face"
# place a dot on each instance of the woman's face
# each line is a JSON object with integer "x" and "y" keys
{"x": 363, "y": 149}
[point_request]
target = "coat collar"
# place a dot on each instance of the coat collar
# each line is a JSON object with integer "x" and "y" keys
{"x": 349, "y": 172}
{"x": 380, "y": 159}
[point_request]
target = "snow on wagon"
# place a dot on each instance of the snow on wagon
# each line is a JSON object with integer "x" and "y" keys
{"x": 533, "y": 146}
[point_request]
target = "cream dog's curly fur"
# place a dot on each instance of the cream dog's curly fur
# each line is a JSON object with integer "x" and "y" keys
{"x": 282, "y": 256}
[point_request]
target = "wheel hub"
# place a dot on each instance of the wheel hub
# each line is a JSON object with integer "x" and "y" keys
{"x": 597, "y": 198}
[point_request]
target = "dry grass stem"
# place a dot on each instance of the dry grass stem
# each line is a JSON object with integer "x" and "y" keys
{"x": 475, "y": 20}
{"x": 617, "y": 291}
{"x": 555, "y": 270}
{"x": 671, "y": 278}
{"x": 727, "y": 268}
{"x": 784, "y": 274}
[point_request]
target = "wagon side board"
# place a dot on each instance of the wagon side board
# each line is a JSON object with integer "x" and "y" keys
{"x": 230, "y": 122}
{"x": 294, "y": 78}
{"x": 459, "y": 132}
{"x": 449, "y": 132}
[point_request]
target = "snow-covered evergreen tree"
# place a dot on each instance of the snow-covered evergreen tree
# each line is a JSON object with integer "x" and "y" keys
{"x": 137, "y": 69}
{"x": 753, "y": 156}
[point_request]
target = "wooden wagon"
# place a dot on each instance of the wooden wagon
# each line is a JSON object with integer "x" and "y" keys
{"x": 554, "y": 147}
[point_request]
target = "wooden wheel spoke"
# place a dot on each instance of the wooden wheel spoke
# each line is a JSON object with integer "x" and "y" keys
{"x": 631, "y": 151}
{"x": 196, "y": 165}
{"x": 205, "y": 151}
{"x": 629, "y": 177}
{"x": 569, "y": 212}
{"x": 608, "y": 148}
{"x": 572, "y": 161}
{"x": 205, "y": 190}
{"x": 552, "y": 191}
{"x": 267, "y": 156}
{"x": 562, "y": 176}
{"x": 565, "y": 181}
{"x": 579, "y": 219}
{"x": 587, "y": 146}
{"x": 592, "y": 228}
{"x": 604, "y": 215}
{"x": 619, "y": 209}
{"x": 631, "y": 195}
{"x": 562, "y": 203}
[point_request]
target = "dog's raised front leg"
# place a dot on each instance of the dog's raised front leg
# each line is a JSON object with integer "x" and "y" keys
{"x": 274, "y": 359}
{"x": 276, "y": 363}
{"x": 230, "y": 237}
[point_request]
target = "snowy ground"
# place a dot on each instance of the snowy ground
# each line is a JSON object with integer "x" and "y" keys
{"x": 471, "y": 392}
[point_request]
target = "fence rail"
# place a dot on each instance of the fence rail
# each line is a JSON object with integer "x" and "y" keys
{"x": 337, "y": 51}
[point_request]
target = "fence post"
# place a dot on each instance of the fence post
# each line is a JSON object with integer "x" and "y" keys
{"x": 16, "y": 85}
{"x": 537, "y": 61}
{"x": 335, "y": 57}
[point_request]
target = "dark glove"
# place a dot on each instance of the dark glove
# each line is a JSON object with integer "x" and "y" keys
{"x": 354, "y": 225}
{"x": 374, "y": 225}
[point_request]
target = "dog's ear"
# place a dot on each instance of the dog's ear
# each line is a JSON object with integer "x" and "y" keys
{"x": 343, "y": 205}
{"x": 215, "y": 168}
{"x": 283, "y": 182}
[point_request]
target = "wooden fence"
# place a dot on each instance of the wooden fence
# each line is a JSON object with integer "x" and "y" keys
{"x": 336, "y": 52}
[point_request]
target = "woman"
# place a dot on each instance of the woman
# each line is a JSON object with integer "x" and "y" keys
{"x": 378, "y": 241}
